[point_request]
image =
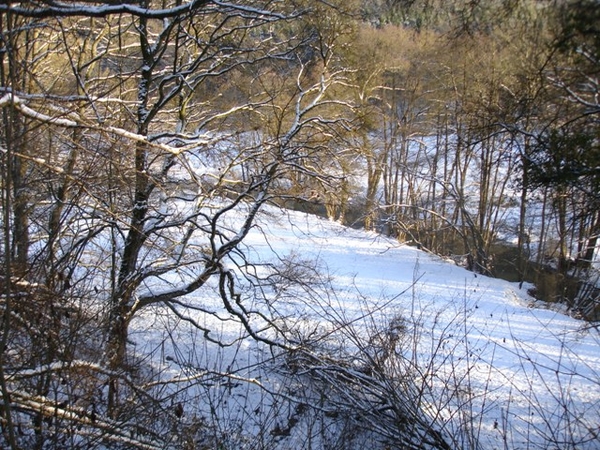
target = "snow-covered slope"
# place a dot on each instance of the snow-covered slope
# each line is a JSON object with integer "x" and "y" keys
{"x": 498, "y": 367}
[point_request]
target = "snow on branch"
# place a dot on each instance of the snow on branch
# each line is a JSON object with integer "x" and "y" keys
{"x": 82, "y": 8}
{"x": 88, "y": 424}
{"x": 57, "y": 367}
{"x": 257, "y": 11}
{"x": 19, "y": 105}
{"x": 109, "y": 8}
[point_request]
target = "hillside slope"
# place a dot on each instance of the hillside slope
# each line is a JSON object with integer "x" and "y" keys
{"x": 493, "y": 368}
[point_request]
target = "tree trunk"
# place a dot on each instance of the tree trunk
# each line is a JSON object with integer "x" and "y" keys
{"x": 523, "y": 253}
{"x": 122, "y": 302}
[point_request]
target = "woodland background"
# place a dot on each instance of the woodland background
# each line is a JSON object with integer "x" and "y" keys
{"x": 131, "y": 132}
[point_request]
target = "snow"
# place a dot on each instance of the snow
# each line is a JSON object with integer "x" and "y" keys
{"x": 532, "y": 373}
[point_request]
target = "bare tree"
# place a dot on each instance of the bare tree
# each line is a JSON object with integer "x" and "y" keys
{"x": 164, "y": 133}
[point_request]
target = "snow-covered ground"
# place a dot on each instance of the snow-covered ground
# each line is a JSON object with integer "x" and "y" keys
{"x": 513, "y": 372}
